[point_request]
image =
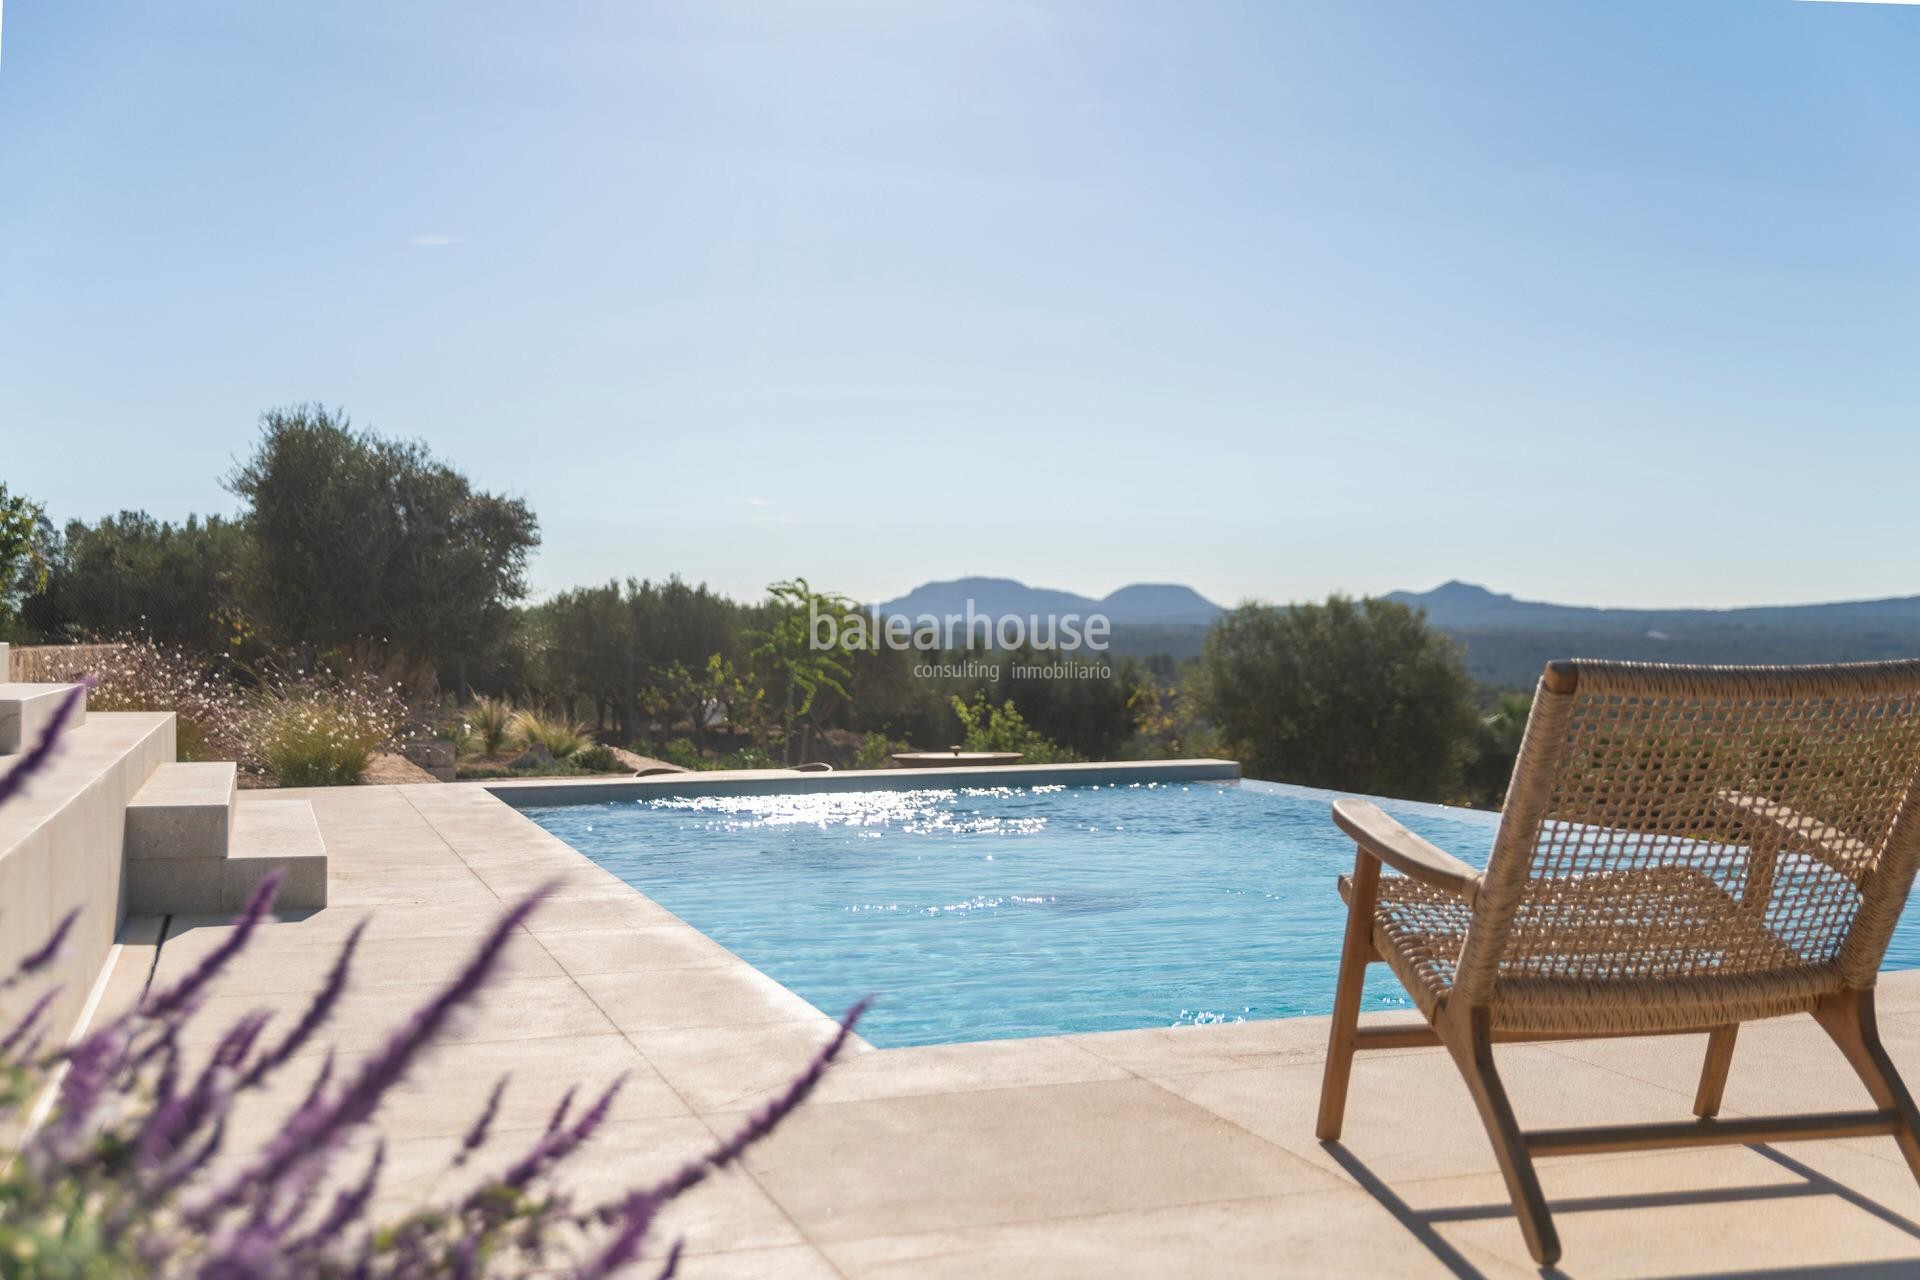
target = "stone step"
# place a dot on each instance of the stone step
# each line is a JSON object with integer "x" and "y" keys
{"x": 270, "y": 834}
{"x": 184, "y": 811}
{"x": 266, "y": 835}
{"x": 25, "y": 710}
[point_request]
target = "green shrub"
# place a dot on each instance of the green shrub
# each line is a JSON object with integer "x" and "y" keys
{"x": 466, "y": 742}
{"x": 555, "y": 732}
{"x": 1496, "y": 744}
{"x": 876, "y": 752}
{"x": 569, "y": 768}
{"x": 1350, "y": 695}
{"x": 599, "y": 759}
{"x": 989, "y": 728}
{"x": 322, "y": 734}
{"x": 682, "y": 752}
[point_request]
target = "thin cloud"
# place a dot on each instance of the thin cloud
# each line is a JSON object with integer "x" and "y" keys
{"x": 759, "y": 514}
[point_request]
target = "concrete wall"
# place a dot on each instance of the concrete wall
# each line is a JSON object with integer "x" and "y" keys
{"x": 61, "y": 846}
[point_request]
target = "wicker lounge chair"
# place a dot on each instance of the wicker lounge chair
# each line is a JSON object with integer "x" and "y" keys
{"x": 1683, "y": 849}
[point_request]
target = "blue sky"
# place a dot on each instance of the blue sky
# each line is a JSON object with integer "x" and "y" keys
{"x": 1610, "y": 303}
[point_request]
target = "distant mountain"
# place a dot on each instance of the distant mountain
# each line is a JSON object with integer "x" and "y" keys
{"x": 1508, "y": 640}
{"x": 1143, "y": 604}
{"x": 1160, "y": 604}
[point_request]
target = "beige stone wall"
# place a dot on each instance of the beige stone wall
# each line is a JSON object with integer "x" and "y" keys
{"x": 61, "y": 846}
{"x": 52, "y": 663}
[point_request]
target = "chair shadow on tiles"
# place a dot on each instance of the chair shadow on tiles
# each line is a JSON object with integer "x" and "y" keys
{"x": 1424, "y": 1224}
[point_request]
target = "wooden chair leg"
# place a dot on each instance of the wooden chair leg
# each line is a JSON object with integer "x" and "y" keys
{"x": 1713, "y": 1073}
{"x": 1355, "y": 952}
{"x": 1849, "y": 1019}
{"x": 1468, "y": 1037}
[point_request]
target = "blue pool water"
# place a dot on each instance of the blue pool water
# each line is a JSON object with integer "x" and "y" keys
{"x": 985, "y": 913}
{"x": 978, "y": 914}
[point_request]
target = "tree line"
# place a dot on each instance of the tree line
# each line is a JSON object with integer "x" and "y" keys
{"x": 375, "y": 555}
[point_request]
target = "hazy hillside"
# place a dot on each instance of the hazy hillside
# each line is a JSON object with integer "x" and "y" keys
{"x": 1143, "y": 604}
{"x": 1509, "y": 640}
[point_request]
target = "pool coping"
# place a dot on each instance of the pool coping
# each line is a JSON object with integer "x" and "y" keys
{"x": 531, "y": 792}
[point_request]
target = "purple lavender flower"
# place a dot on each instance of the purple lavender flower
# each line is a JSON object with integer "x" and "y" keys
{"x": 558, "y": 1142}
{"x": 348, "y": 1205}
{"x": 37, "y": 960}
{"x": 29, "y": 1020}
{"x": 477, "y": 1135}
{"x": 174, "y": 998}
{"x": 320, "y": 1123}
{"x": 133, "y": 1135}
{"x": 316, "y": 1015}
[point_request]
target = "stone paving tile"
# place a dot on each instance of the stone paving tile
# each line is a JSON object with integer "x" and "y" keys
{"x": 1316, "y": 1234}
{"x": 500, "y": 858}
{"x": 514, "y": 1009}
{"x": 126, "y": 985}
{"x": 724, "y": 1068}
{"x": 954, "y": 1068}
{"x": 377, "y": 962}
{"x": 511, "y": 883}
{"x": 380, "y": 885}
{"x": 793, "y": 1262}
{"x": 572, "y": 914}
{"x": 1158, "y": 1051}
{"x": 398, "y": 841}
{"x": 1898, "y": 993}
{"x": 587, "y": 952}
{"x": 940, "y": 1161}
{"x": 1411, "y": 1117}
{"x": 446, "y": 1090}
{"x": 1867, "y": 1169}
{"x": 331, "y": 925}
{"x": 1730, "y": 1211}
{"x": 1784, "y": 1065}
{"x": 727, "y": 1212}
{"x": 665, "y": 1000}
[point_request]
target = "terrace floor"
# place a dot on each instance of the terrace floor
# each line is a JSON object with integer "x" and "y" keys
{"x": 1150, "y": 1152}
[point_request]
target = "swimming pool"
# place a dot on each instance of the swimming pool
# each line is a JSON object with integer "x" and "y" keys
{"x": 976, "y": 913}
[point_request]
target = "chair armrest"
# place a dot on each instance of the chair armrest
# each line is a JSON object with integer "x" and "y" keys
{"x": 1404, "y": 851}
{"x": 1846, "y": 854}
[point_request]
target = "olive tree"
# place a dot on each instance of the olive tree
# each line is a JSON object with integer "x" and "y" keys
{"x": 23, "y": 560}
{"x": 363, "y": 541}
{"x": 1351, "y": 695}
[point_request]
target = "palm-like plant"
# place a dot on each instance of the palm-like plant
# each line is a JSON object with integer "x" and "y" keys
{"x": 784, "y": 650}
{"x": 491, "y": 722}
{"x": 559, "y": 735}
